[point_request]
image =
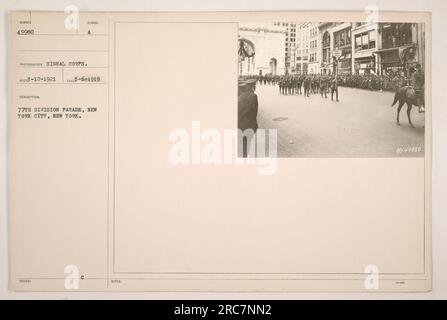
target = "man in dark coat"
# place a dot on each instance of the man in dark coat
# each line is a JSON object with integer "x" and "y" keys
{"x": 418, "y": 83}
{"x": 247, "y": 115}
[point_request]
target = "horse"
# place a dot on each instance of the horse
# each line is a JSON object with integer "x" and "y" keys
{"x": 407, "y": 95}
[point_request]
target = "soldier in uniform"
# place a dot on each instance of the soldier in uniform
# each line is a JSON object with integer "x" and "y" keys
{"x": 334, "y": 88}
{"x": 299, "y": 82}
{"x": 418, "y": 83}
{"x": 315, "y": 84}
{"x": 289, "y": 85}
{"x": 293, "y": 84}
{"x": 247, "y": 105}
{"x": 323, "y": 86}
{"x": 307, "y": 83}
{"x": 280, "y": 84}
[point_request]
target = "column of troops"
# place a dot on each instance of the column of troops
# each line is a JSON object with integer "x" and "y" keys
{"x": 302, "y": 84}
{"x": 391, "y": 81}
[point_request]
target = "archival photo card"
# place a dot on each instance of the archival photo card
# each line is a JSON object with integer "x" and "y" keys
{"x": 220, "y": 151}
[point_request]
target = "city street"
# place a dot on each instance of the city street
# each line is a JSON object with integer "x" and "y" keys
{"x": 361, "y": 124}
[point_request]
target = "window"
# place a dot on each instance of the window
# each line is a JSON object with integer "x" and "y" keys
{"x": 395, "y": 34}
{"x": 365, "y": 42}
{"x": 326, "y": 47}
{"x": 342, "y": 38}
{"x": 372, "y": 39}
{"x": 358, "y": 42}
{"x": 337, "y": 39}
{"x": 326, "y": 40}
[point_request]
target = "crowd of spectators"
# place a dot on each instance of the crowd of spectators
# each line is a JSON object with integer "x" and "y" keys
{"x": 389, "y": 82}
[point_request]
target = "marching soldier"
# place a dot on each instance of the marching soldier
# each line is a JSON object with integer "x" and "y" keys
{"x": 334, "y": 88}
{"x": 315, "y": 83}
{"x": 288, "y": 85}
{"x": 280, "y": 84}
{"x": 307, "y": 83}
{"x": 293, "y": 84}
{"x": 323, "y": 86}
{"x": 299, "y": 82}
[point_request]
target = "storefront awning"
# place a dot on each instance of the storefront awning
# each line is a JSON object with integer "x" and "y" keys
{"x": 394, "y": 48}
{"x": 395, "y": 55}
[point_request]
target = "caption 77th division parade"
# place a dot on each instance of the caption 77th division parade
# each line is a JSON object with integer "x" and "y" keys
{"x": 334, "y": 89}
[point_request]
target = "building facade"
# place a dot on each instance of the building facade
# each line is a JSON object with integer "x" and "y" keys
{"x": 268, "y": 41}
{"x": 342, "y": 43}
{"x": 309, "y": 48}
{"x": 371, "y": 48}
{"x": 401, "y": 47}
{"x": 314, "y": 49}
{"x": 364, "y": 47}
{"x": 290, "y": 29}
{"x": 302, "y": 49}
{"x": 326, "y": 46}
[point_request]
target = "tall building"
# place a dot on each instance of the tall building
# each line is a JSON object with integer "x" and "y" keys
{"x": 268, "y": 42}
{"x": 290, "y": 29}
{"x": 314, "y": 49}
{"x": 302, "y": 47}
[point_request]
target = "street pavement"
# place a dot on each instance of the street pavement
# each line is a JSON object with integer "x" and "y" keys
{"x": 361, "y": 124}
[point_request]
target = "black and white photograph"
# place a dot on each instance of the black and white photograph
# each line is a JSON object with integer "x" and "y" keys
{"x": 334, "y": 89}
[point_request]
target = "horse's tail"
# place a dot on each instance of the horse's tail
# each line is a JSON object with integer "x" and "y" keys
{"x": 396, "y": 98}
